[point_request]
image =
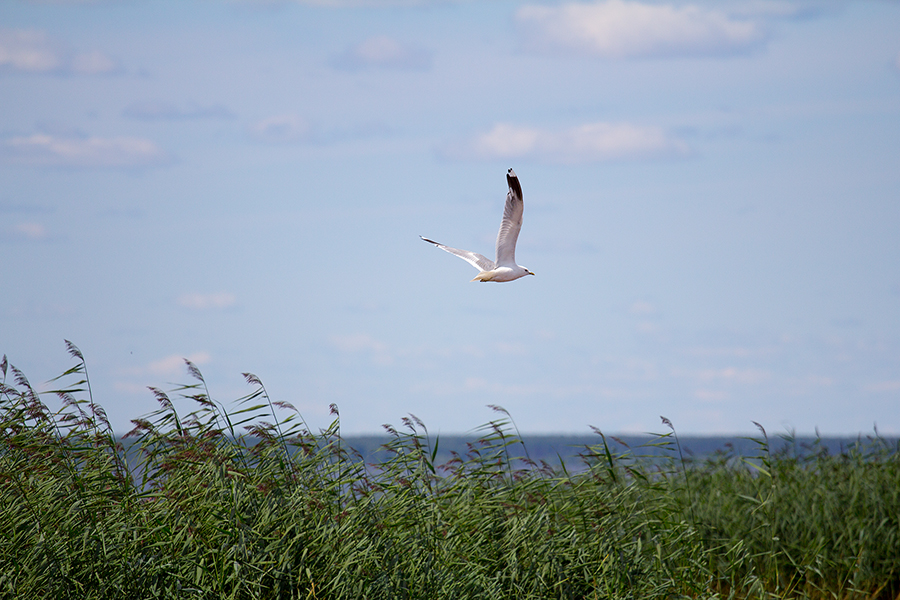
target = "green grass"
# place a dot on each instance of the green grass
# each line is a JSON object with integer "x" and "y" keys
{"x": 253, "y": 504}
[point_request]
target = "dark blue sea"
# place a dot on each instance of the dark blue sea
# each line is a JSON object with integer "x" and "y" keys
{"x": 570, "y": 449}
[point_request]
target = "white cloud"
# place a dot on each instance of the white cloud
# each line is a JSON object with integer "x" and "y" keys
{"x": 169, "y": 366}
{"x": 32, "y": 231}
{"x": 281, "y": 129}
{"x": 890, "y": 386}
{"x": 64, "y": 2}
{"x": 344, "y": 3}
{"x": 591, "y": 142}
{"x": 642, "y": 308}
{"x": 647, "y": 327}
{"x": 27, "y": 51}
{"x": 31, "y": 51}
{"x": 619, "y": 29}
{"x": 46, "y": 150}
{"x": 157, "y": 111}
{"x": 93, "y": 63}
{"x": 383, "y": 52}
{"x": 711, "y": 395}
{"x": 778, "y": 9}
{"x": 357, "y": 342}
{"x": 203, "y": 301}
{"x": 747, "y": 376}
{"x": 27, "y": 231}
{"x": 174, "y": 364}
{"x": 728, "y": 351}
{"x": 363, "y": 343}
{"x": 41, "y": 310}
{"x": 505, "y": 388}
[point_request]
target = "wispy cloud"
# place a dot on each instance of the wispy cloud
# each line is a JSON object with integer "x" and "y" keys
{"x": 174, "y": 364}
{"x": 383, "y": 52}
{"x": 778, "y": 9}
{"x": 41, "y": 310}
{"x": 198, "y": 301}
{"x": 734, "y": 374}
{"x": 646, "y": 317}
{"x": 28, "y": 52}
{"x": 344, "y": 3}
{"x": 290, "y": 128}
{"x": 730, "y": 374}
{"x": 889, "y": 386}
{"x": 48, "y": 150}
{"x": 24, "y": 231}
{"x": 155, "y": 110}
{"x": 620, "y": 29}
{"x": 717, "y": 384}
{"x": 357, "y": 342}
{"x": 66, "y": 2}
{"x": 642, "y": 308}
{"x": 31, "y": 231}
{"x": 363, "y": 343}
{"x": 730, "y": 351}
{"x": 32, "y": 51}
{"x": 526, "y": 389}
{"x": 588, "y": 143}
{"x": 134, "y": 380}
{"x": 713, "y": 396}
{"x": 93, "y": 63}
{"x": 168, "y": 366}
{"x": 281, "y": 129}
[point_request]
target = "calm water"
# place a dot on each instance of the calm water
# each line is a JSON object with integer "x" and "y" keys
{"x": 568, "y": 448}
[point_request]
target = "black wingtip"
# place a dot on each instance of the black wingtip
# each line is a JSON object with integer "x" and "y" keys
{"x": 513, "y": 181}
{"x": 429, "y": 241}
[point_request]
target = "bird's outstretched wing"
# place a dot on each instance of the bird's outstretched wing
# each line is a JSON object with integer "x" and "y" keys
{"x": 512, "y": 222}
{"x": 482, "y": 263}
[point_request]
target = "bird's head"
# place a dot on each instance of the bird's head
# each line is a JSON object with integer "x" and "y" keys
{"x": 528, "y": 272}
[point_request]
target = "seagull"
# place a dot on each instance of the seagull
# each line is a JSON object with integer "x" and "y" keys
{"x": 505, "y": 267}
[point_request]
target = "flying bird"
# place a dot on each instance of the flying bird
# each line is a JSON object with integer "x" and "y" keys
{"x": 505, "y": 267}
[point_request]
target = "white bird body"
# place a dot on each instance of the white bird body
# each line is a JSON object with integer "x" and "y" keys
{"x": 505, "y": 267}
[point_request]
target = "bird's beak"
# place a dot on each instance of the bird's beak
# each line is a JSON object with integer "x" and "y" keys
{"x": 530, "y": 273}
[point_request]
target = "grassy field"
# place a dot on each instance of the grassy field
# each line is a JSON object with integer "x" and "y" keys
{"x": 249, "y": 503}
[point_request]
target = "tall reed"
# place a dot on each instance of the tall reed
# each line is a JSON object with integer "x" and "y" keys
{"x": 251, "y": 503}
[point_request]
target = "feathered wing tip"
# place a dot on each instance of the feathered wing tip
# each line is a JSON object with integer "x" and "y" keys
{"x": 513, "y": 181}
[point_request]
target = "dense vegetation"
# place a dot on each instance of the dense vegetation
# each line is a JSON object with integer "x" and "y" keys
{"x": 247, "y": 504}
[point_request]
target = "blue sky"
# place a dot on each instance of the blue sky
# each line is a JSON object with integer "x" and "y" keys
{"x": 712, "y": 208}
